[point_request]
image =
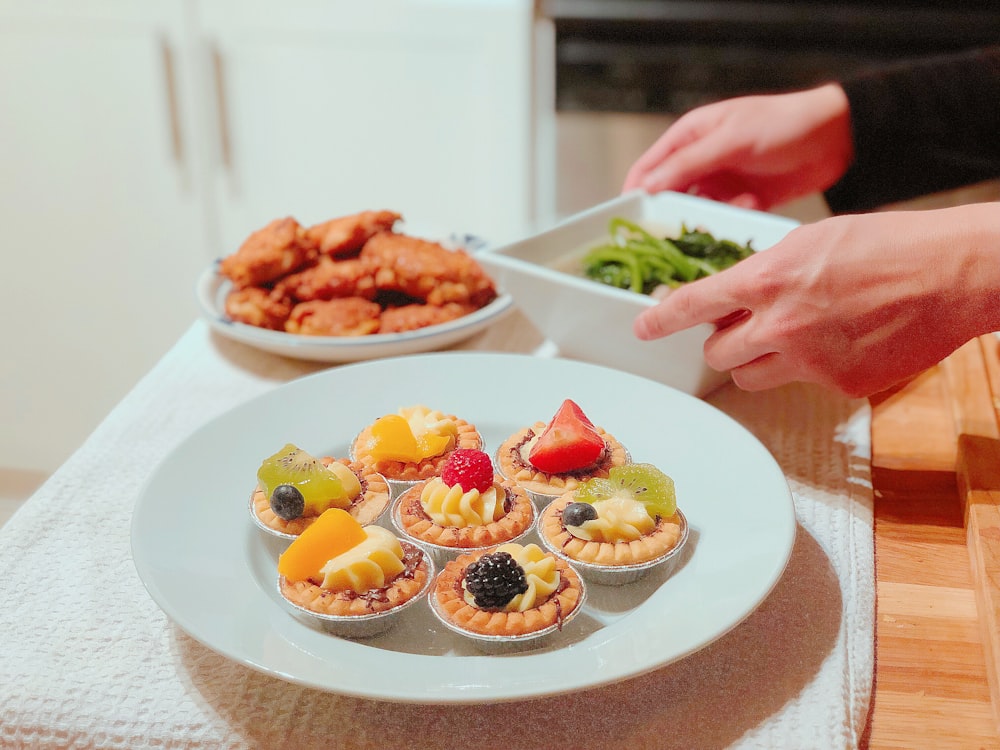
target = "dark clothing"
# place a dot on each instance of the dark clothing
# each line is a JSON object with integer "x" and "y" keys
{"x": 921, "y": 128}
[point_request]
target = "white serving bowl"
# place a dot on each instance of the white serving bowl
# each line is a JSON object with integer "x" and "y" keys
{"x": 591, "y": 321}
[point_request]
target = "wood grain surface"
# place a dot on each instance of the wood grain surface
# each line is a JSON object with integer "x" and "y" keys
{"x": 936, "y": 475}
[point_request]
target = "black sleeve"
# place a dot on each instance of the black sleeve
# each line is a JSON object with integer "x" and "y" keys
{"x": 921, "y": 128}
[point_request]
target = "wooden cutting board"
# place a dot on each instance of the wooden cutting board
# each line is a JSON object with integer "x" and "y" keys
{"x": 936, "y": 475}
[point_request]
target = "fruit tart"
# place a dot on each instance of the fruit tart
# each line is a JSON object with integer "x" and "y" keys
{"x": 353, "y": 579}
{"x": 616, "y": 530}
{"x": 507, "y": 597}
{"x": 294, "y": 488}
{"x": 548, "y": 459}
{"x": 413, "y": 444}
{"x": 469, "y": 506}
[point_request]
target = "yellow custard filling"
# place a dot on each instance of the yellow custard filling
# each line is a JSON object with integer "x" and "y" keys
{"x": 619, "y": 519}
{"x": 453, "y": 507}
{"x": 371, "y": 564}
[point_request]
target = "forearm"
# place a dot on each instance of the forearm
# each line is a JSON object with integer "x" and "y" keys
{"x": 920, "y": 129}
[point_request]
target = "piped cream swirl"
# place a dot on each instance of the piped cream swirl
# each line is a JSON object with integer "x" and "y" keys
{"x": 371, "y": 564}
{"x": 456, "y": 508}
{"x": 619, "y": 519}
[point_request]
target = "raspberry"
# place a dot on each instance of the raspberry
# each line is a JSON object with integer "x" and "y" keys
{"x": 470, "y": 468}
{"x": 495, "y": 579}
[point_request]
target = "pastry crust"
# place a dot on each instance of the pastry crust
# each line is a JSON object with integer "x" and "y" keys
{"x": 512, "y": 466}
{"x": 515, "y": 522}
{"x": 662, "y": 539}
{"x": 448, "y": 594}
{"x": 468, "y": 437}
{"x": 366, "y": 508}
{"x": 400, "y": 590}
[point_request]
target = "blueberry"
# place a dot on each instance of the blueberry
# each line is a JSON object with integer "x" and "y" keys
{"x": 287, "y": 502}
{"x": 577, "y": 514}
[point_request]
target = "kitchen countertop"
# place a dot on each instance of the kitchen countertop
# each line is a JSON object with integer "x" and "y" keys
{"x": 935, "y": 464}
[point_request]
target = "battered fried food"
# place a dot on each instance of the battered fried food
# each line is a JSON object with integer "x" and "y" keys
{"x": 259, "y": 307}
{"x": 347, "y": 235}
{"x": 427, "y": 270}
{"x": 330, "y": 279}
{"x": 348, "y": 316}
{"x": 412, "y": 317}
{"x": 279, "y": 248}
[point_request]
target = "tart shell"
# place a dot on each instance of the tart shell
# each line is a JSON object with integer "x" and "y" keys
{"x": 543, "y": 485}
{"x": 468, "y": 437}
{"x": 409, "y": 517}
{"x": 449, "y": 603}
{"x": 663, "y": 539}
{"x": 402, "y": 590}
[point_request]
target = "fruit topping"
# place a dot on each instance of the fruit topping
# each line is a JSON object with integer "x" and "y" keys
{"x": 569, "y": 442}
{"x": 641, "y": 482}
{"x": 287, "y": 502}
{"x": 577, "y": 514}
{"x": 470, "y": 468}
{"x": 393, "y": 439}
{"x": 330, "y": 535}
{"x": 494, "y": 580}
{"x": 319, "y": 486}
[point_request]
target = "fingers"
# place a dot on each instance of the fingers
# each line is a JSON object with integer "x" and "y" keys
{"x": 688, "y": 164}
{"x": 675, "y": 137}
{"x": 768, "y": 371}
{"x": 703, "y": 301}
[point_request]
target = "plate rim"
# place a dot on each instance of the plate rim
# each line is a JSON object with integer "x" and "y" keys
{"x": 477, "y": 694}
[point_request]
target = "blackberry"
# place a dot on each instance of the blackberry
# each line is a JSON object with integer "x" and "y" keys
{"x": 495, "y": 579}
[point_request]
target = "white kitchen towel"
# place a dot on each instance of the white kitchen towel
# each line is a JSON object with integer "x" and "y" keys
{"x": 89, "y": 660}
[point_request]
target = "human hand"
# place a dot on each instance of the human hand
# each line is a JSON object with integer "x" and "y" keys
{"x": 855, "y": 303}
{"x": 752, "y": 151}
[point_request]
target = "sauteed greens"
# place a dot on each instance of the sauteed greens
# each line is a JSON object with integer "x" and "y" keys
{"x": 636, "y": 259}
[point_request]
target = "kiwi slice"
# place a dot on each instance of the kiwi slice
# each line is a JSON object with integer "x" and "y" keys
{"x": 641, "y": 482}
{"x": 292, "y": 465}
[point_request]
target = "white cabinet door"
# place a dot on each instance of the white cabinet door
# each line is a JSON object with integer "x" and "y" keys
{"x": 99, "y": 208}
{"x": 326, "y": 108}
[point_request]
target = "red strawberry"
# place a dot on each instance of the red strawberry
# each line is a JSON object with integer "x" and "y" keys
{"x": 470, "y": 468}
{"x": 569, "y": 442}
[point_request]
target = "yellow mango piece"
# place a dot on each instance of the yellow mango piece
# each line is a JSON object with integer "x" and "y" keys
{"x": 393, "y": 440}
{"x": 433, "y": 445}
{"x": 329, "y": 536}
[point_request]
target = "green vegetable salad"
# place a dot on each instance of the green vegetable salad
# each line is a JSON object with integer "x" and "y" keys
{"x": 637, "y": 260}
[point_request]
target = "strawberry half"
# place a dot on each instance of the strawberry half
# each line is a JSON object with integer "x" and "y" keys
{"x": 471, "y": 469}
{"x": 569, "y": 442}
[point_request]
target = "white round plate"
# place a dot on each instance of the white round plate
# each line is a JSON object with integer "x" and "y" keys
{"x": 212, "y": 571}
{"x": 212, "y": 288}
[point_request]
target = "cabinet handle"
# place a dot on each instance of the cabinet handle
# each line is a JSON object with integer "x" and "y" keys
{"x": 173, "y": 111}
{"x": 218, "y": 73}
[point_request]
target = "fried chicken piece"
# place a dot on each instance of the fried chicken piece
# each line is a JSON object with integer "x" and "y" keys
{"x": 259, "y": 307}
{"x": 427, "y": 270}
{"x": 348, "y": 316}
{"x": 329, "y": 279}
{"x": 412, "y": 317}
{"x": 347, "y": 235}
{"x": 269, "y": 253}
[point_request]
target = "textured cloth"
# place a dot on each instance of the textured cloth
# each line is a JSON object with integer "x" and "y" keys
{"x": 920, "y": 128}
{"x": 89, "y": 660}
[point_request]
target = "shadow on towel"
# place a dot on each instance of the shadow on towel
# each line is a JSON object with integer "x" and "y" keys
{"x": 705, "y": 701}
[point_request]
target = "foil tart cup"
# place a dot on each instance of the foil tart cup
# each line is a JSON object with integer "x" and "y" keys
{"x": 440, "y": 553}
{"x": 365, "y": 626}
{"x": 505, "y": 644}
{"x": 619, "y": 575}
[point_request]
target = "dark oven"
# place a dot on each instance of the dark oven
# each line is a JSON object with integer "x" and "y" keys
{"x": 624, "y": 69}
